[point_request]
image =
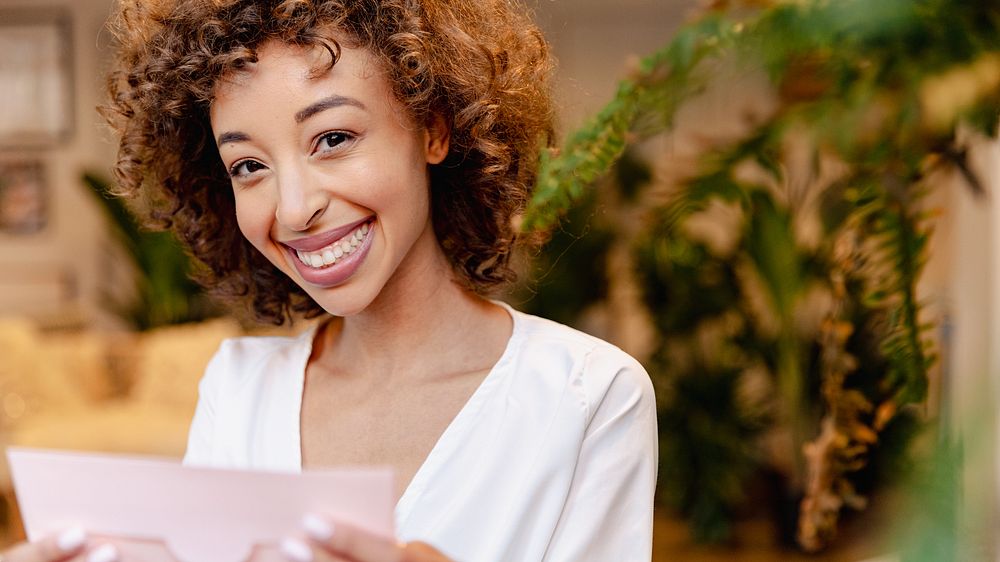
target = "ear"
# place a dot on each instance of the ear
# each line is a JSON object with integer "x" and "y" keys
{"x": 436, "y": 135}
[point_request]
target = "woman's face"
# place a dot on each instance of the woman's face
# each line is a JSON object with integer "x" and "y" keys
{"x": 328, "y": 171}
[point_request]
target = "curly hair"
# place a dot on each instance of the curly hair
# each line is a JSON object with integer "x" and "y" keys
{"x": 482, "y": 65}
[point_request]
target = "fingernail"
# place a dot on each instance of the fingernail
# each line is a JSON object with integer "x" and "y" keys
{"x": 296, "y": 550}
{"x": 71, "y": 539}
{"x": 317, "y": 528}
{"x": 104, "y": 553}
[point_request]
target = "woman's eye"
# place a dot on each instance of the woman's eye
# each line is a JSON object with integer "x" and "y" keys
{"x": 245, "y": 168}
{"x": 330, "y": 141}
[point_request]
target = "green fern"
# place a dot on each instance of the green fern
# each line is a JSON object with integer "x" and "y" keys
{"x": 643, "y": 105}
{"x": 859, "y": 77}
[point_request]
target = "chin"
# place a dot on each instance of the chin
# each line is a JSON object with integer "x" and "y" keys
{"x": 344, "y": 312}
{"x": 346, "y": 303}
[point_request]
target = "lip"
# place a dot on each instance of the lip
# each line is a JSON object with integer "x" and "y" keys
{"x": 338, "y": 273}
{"x": 315, "y": 242}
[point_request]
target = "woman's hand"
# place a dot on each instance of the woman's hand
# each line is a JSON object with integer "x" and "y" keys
{"x": 67, "y": 546}
{"x": 342, "y": 543}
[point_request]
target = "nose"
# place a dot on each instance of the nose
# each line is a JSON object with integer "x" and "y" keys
{"x": 301, "y": 200}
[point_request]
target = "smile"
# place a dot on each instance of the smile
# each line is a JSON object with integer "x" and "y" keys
{"x": 330, "y": 259}
{"x": 336, "y": 251}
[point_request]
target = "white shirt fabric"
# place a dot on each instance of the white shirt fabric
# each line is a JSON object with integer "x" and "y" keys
{"x": 553, "y": 457}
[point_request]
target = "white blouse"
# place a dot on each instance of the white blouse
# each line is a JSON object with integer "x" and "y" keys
{"x": 553, "y": 457}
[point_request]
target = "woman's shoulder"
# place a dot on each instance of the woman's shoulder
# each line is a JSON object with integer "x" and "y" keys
{"x": 547, "y": 337}
{"x": 253, "y": 347}
{"x": 245, "y": 359}
{"x": 551, "y": 352}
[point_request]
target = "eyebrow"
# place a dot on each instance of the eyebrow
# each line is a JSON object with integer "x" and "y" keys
{"x": 324, "y": 104}
{"x": 232, "y": 136}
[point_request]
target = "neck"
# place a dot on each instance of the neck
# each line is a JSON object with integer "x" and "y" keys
{"x": 416, "y": 324}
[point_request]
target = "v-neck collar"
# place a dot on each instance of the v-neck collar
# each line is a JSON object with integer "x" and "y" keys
{"x": 452, "y": 436}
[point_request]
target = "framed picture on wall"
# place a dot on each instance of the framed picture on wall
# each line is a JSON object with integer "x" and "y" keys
{"x": 24, "y": 191}
{"x": 36, "y": 77}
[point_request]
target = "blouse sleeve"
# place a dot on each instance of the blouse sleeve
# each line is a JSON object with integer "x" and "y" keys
{"x": 609, "y": 510}
{"x": 201, "y": 433}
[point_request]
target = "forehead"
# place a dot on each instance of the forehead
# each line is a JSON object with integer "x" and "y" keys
{"x": 289, "y": 75}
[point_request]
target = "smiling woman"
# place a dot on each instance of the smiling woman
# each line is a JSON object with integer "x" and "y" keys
{"x": 481, "y": 68}
{"x": 374, "y": 155}
{"x": 314, "y": 168}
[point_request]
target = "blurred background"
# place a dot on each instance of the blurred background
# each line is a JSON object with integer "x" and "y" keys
{"x": 787, "y": 215}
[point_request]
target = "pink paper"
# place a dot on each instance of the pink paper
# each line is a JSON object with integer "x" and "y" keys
{"x": 201, "y": 514}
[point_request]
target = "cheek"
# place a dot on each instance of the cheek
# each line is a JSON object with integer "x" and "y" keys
{"x": 390, "y": 187}
{"x": 406, "y": 206}
{"x": 253, "y": 220}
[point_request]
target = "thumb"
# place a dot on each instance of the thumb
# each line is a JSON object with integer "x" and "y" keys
{"x": 53, "y": 548}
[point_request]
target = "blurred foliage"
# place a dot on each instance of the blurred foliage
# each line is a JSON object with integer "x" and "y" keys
{"x": 164, "y": 293}
{"x": 931, "y": 532}
{"x": 582, "y": 238}
{"x": 875, "y": 91}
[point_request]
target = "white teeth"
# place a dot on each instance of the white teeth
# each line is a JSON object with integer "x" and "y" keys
{"x": 332, "y": 253}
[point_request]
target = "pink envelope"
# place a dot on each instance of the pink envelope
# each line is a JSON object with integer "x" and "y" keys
{"x": 158, "y": 510}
